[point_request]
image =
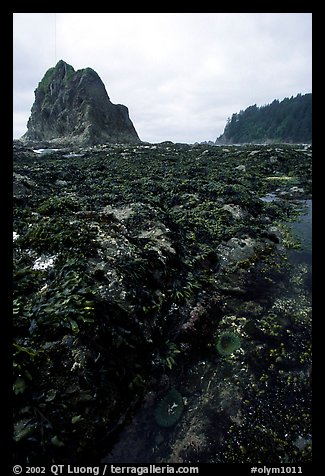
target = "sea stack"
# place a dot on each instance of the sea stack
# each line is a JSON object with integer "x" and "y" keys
{"x": 73, "y": 108}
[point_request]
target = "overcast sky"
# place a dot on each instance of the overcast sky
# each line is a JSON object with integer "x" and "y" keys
{"x": 180, "y": 74}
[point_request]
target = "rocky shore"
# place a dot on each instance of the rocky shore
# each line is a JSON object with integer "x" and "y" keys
{"x": 151, "y": 305}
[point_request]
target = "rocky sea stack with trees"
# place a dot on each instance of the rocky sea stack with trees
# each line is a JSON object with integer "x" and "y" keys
{"x": 162, "y": 297}
{"x": 73, "y": 108}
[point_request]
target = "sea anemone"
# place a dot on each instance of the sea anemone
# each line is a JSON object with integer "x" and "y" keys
{"x": 169, "y": 409}
{"x": 227, "y": 343}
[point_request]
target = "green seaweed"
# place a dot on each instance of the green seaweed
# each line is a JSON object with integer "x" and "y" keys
{"x": 45, "y": 82}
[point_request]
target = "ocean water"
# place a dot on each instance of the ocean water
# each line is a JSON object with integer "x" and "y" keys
{"x": 302, "y": 229}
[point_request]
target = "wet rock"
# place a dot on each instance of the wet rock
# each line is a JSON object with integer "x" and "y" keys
{"x": 235, "y": 250}
{"x": 61, "y": 183}
{"x": 241, "y": 168}
{"x": 274, "y": 234}
{"x": 21, "y": 150}
{"x": 235, "y": 210}
{"x": 22, "y": 186}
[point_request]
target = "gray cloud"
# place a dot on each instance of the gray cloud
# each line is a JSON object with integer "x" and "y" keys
{"x": 181, "y": 75}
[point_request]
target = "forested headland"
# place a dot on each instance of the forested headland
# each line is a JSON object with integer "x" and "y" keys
{"x": 289, "y": 120}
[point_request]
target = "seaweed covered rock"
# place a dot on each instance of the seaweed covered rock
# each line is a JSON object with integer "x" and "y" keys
{"x": 126, "y": 263}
